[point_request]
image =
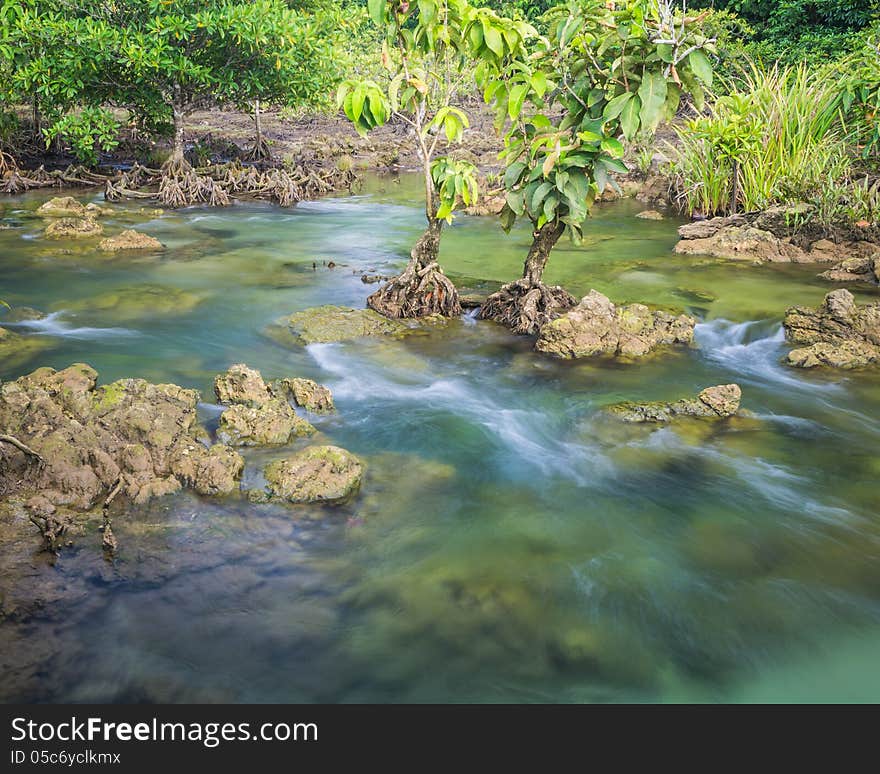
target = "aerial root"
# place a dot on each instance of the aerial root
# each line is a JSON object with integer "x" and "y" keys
{"x": 525, "y": 306}
{"x": 418, "y": 292}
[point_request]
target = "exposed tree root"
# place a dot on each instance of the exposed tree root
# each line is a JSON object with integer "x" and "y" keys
{"x": 525, "y": 306}
{"x": 13, "y": 441}
{"x": 180, "y": 185}
{"x": 418, "y": 292}
{"x": 261, "y": 151}
{"x": 52, "y": 530}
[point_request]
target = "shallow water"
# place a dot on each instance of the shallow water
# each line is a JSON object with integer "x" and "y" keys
{"x": 509, "y": 545}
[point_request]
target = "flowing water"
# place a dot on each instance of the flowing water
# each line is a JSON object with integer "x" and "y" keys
{"x": 508, "y": 544}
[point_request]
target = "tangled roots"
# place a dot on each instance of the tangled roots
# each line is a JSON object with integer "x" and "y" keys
{"x": 525, "y": 307}
{"x": 180, "y": 185}
{"x": 418, "y": 292}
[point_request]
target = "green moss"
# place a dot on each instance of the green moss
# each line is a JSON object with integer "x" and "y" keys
{"x": 109, "y": 396}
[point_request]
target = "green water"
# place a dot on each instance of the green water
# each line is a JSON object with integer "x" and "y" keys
{"x": 508, "y": 545}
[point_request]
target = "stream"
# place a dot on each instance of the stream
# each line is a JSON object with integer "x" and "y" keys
{"x": 508, "y": 544}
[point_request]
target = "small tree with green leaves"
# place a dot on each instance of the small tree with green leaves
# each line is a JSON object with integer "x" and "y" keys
{"x": 429, "y": 53}
{"x": 612, "y": 70}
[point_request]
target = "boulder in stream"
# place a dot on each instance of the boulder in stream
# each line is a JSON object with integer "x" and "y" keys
{"x": 274, "y": 423}
{"x": 713, "y": 402}
{"x": 73, "y": 228}
{"x": 241, "y": 385}
{"x": 136, "y": 302}
{"x": 317, "y": 474}
{"x": 597, "y": 327}
{"x": 130, "y": 240}
{"x": 307, "y": 394}
{"x": 839, "y": 333}
{"x": 62, "y": 207}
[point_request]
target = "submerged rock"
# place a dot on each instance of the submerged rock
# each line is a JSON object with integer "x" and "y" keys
{"x": 136, "y": 302}
{"x": 650, "y": 215}
{"x": 140, "y": 439}
{"x": 306, "y": 393}
{"x": 21, "y": 314}
{"x": 318, "y": 474}
{"x": 719, "y": 401}
{"x": 16, "y": 349}
{"x": 62, "y": 207}
{"x": 325, "y": 324}
{"x": 597, "y": 327}
{"x": 273, "y": 423}
{"x": 130, "y": 240}
{"x": 839, "y": 333}
{"x": 73, "y": 228}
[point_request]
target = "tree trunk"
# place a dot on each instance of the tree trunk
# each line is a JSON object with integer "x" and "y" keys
{"x": 176, "y": 162}
{"x": 544, "y": 240}
{"x": 422, "y": 289}
{"x": 526, "y": 305}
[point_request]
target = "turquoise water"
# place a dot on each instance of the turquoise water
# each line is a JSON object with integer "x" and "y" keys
{"x": 508, "y": 545}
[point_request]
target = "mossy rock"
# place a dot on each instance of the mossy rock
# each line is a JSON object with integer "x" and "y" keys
{"x": 318, "y": 474}
{"x": 325, "y": 324}
{"x": 16, "y": 350}
{"x": 73, "y": 228}
{"x": 137, "y": 302}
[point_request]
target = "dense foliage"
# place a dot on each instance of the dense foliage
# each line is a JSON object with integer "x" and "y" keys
{"x": 795, "y": 30}
{"x": 159, "y": 59}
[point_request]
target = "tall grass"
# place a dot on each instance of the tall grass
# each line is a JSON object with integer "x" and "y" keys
{"x": 797, "y": 144}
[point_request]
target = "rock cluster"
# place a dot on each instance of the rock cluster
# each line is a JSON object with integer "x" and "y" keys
{"x": 256, "y": 416}
{"x": 864, "y": 266}
{"x": 839, "y": 333}
{"x": 597, "y": 327}
{"x": 141, "y": 439}
{"x": 713, "y": 402}
{"x": 766, "y": 237}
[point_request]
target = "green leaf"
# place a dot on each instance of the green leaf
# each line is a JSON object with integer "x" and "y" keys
{"x": 701, "y": 66}
{"x": 538, "y": 197}
{"x": 515, "y": 200}
{"x": 517, "y": 97}
{"x": 665, "y": 52}
{"x": 652, "y": 93}
{"x": 615, "y": 107}
{"x": 513, "y": 173}
{"x": 612, "y": 147}
{"x": 377, "y": 10}
{"x": 507, "y": 217}
{"x": 629, "y": 118}
{"x": 493, "y": 39}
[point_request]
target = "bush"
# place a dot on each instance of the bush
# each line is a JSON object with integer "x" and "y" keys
{"x": 779, "y": 140}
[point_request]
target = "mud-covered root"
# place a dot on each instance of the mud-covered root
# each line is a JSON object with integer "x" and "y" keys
{"x": 11, "y": 440}
{"x": 525, "y": 306}
{"x": 51, "y": 528}
{"x": 418, "y": 292}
